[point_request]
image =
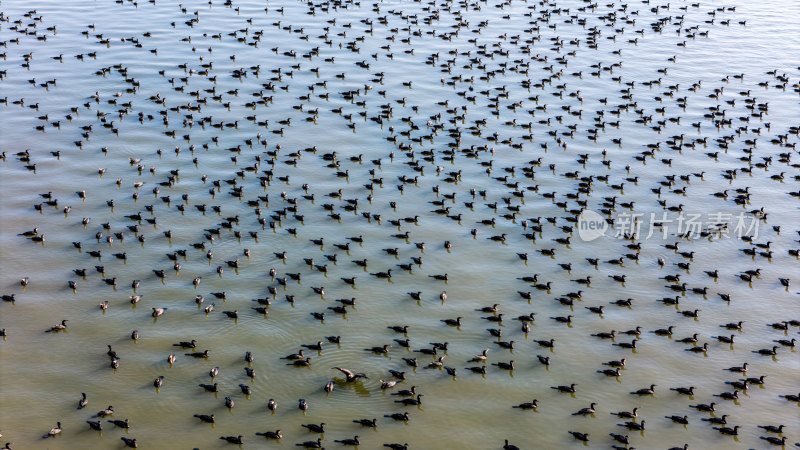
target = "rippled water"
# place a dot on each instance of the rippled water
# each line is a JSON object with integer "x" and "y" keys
{"x": 478, "y": 73}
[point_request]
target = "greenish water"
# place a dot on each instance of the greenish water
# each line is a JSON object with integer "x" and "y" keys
{"x": 477, "y": 76}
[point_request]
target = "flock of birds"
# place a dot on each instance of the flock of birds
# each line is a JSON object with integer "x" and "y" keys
{"x": 498, "y": 145}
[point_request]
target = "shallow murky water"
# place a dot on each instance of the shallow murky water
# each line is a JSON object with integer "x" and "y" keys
{"x": 531, "y": 111}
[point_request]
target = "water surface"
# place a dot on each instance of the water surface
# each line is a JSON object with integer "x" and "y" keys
{"x": 478, "y": 73}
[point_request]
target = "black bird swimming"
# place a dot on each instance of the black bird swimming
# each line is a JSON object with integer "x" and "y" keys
{"x": 306, "y": 362}
{"x": 203, "y": 354}
{"x": 210, "y": 387}
{"x": 586, "y": 411}
{"x": 635, "y": 426}
{"x": 352, "y": 441}
{"x": 314, "y": 428}
{"x": 716, "y": 420}
{"x": 373, "y": 423}
{"x": 580, "y": 436}
{"x": 702, "y": 407}
{"x": 620, "y": 438}
{"x": 533, "y": 404}
{"x": 311, "y": 444}
{"x": 271, "y": 434}
{"x": 772, "y": 428}
{"x": 683, "y": 420}
{"x": 729, "y": 431}
{"x": 185, "y": 344}
{"x": 120, "y": 423}
{"x": 233, "y": 439}
{"x": 402, "y": 417}
{"x": 566, "y": 389}
{"x": 684, "y": 390}
{"x": 406, "y": 392}
{"x": 646, "y": 391}
{"x": 295, "y": 356}
{"x": 316, "y": 347}
{"x": 775, "y": 441}
{"x": 208, "y": 418}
